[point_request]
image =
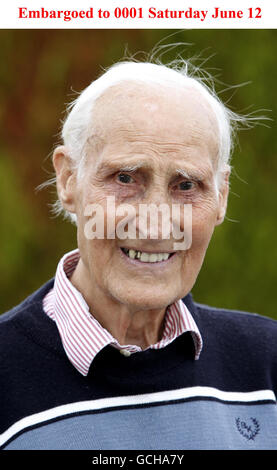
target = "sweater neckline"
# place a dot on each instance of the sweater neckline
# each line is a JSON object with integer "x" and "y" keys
{"x": 39, "y": 328}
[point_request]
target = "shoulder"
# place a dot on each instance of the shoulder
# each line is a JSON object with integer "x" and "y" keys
{"x": 28, "y": 303}
{"x": 23, "y": 320}
{"x": 237, "y": 330}
{"x": 238, "y": 319}
{"x": 229, "y": 321}
{"x": 239, "y": 348}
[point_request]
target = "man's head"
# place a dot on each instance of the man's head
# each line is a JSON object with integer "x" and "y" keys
{"x": 144, "y": 134}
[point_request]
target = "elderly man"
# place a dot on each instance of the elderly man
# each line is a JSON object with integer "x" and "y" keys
{"x": 113, "y": 353}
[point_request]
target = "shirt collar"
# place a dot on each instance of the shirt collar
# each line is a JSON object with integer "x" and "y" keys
{"x": 82, "y": 335}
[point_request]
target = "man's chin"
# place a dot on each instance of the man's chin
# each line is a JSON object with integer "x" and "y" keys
{"x": 147, "y": 298}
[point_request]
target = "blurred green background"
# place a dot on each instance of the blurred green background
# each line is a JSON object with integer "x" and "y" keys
{"x": 39, "y": 72}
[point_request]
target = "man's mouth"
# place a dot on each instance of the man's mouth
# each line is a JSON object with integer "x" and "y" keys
{"x": 146, "y": 257}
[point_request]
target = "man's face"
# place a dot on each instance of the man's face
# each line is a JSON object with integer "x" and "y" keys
{"x": 145, "y": 140}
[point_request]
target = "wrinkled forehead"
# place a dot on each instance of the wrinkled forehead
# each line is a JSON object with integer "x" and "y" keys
{"x": 130, "y": 111}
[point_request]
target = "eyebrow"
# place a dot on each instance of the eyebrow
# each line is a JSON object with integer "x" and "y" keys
{"x": 194, "y": 174}
{"x": 117, "y": 166}
{"x": 183, "y": 173}
{"x": 197, "y": 174}
{"x": 132, "y": 168}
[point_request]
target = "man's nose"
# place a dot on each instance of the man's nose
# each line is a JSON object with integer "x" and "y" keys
{"x": 154, "y": 214}
{"x": 157, "y": 193}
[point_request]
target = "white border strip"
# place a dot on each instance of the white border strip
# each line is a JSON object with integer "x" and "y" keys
{"x": 149, "y": 398}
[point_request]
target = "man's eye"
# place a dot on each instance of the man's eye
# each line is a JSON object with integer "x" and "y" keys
{"x": 186, "y": 185}
{"x": 124, "y": 178}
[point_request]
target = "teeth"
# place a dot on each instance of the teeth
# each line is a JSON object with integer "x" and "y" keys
{"x": 132, "y": 254}
{"x": 147, "y": 257}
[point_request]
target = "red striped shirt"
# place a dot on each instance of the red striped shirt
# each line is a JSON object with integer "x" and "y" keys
{"x": 82, "y": 335}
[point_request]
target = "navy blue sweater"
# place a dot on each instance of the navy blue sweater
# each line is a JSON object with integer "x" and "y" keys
{"x": 155, "y": 399}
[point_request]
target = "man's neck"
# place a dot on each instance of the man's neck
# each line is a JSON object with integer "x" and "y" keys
{"x": 127, "y": 323}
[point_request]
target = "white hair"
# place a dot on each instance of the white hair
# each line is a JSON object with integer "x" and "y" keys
{"x": 78, "y": 125}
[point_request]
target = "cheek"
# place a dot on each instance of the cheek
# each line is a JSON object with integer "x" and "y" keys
{"x": 97, "y": 256}
{"x": 99, "y": 249}
{"x": 203, "y": 223}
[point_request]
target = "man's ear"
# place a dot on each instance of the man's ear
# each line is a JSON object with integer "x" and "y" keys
{"x": 65, "y": 177}
{"x": 223, "y": 196}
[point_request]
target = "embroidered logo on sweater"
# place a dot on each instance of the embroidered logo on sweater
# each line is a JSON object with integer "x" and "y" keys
{"x": 247, "y": 429}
